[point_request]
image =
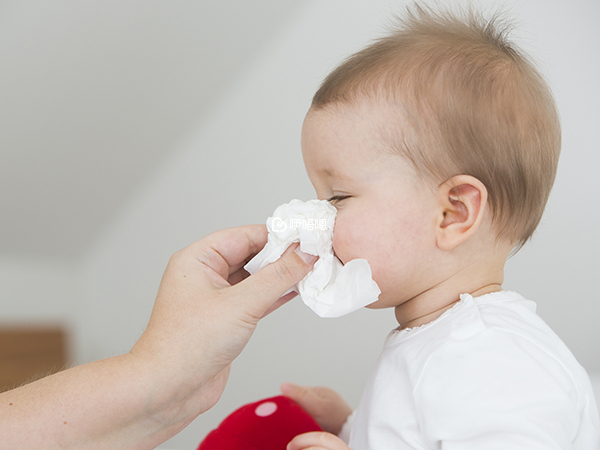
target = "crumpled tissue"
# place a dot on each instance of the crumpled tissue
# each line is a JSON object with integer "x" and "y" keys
{"x": 331, "y": 289}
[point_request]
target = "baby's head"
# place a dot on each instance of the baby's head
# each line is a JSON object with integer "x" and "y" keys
{"x": 442, "y": 134}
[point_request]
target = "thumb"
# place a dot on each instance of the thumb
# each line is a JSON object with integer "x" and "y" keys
{"x": 262, "y": 289}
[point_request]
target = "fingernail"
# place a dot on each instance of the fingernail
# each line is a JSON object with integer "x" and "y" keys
{"x": 291, "y": 248}
{"x": 306, "y": 257}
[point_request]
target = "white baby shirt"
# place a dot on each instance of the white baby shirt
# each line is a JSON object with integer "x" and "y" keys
{"x": 488, "y": 374}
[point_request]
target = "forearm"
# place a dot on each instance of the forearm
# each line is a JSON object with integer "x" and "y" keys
{"x": 177, "y": 369}
{"x": 115, "y": 403}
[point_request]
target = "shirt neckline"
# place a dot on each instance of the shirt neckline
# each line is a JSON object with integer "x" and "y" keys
{"x": 464, "y": 299}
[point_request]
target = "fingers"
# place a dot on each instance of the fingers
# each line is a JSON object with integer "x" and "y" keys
{"x": 280, "y": 302}
{"x": 295, "y": 392}
{"x": 226, "y": 251}
{"x": 317, "y": 440}
{"x": 260, "y": 291}
{"x": 325, "y": 405}
{"x": 237, "y": 276}
{"x": 222, "y": 256}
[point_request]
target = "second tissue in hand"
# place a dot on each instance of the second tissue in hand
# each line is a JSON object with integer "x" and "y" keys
{"x": 331, "y": 289}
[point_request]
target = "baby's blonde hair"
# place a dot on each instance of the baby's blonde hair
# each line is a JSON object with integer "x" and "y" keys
{"x": 474, "y": 105}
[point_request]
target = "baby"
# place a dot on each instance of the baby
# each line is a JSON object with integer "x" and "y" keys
{"x": 438, "y": 145}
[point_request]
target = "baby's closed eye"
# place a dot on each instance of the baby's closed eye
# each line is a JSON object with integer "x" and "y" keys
{"x": 337, "y": 198}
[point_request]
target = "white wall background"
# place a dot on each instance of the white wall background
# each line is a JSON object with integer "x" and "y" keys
{"x": 242, "y": 159}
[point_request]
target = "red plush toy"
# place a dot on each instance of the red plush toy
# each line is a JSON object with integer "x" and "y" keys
{"x": 268, "y": 424}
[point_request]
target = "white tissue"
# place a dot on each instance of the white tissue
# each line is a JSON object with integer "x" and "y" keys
{"x": 330, "y": 289}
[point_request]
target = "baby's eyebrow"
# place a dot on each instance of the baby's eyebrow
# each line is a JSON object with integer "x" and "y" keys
{"x": 333, "y": 173}
{"x": 325, "y": 172}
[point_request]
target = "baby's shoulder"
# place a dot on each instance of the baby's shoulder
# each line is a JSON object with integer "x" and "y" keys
{"x": 496, "y": 338}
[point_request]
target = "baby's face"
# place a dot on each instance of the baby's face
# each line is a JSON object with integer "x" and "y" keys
{"x": 385, "y": 214}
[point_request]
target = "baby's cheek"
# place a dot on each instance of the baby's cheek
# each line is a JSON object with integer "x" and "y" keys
{"x": 340, "y": 240}
{"x": 339, "y": 247}
{"x": 347, "y": 240}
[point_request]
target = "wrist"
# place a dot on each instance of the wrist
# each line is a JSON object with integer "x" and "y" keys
{"x": 177, "y": 392}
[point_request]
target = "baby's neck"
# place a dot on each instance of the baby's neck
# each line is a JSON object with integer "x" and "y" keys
{"x": 405, "y": 315}
{"x": 477, "y": 270}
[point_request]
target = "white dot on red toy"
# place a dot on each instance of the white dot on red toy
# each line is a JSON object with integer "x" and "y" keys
{"x": 265, "y": 409}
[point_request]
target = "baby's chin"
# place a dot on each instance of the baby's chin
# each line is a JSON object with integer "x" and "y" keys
{"x": 385, "y": 301}
{"x": 375, "y": 305}
{"x": 379, "y": 304}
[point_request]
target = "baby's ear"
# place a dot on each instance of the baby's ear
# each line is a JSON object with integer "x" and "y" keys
{"x": 462, "y": 200}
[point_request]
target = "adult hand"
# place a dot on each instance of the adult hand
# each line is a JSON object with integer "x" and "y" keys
{"x": 206, "y": 310}
{"x": 208, "y": 307}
